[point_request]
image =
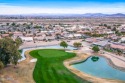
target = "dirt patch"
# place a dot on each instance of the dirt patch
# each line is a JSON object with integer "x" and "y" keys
{"x": 21, "y": 74}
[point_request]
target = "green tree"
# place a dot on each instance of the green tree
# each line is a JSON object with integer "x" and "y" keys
{"x": 114, "y": 29}
{"x": 64, "y": 44}
{"x": 13, "y": 24}
{"x": 95, "y": 48}
{"x": 119, "y": 52}
{"x": 77, "y": 44}
{"x": 9, "y": 51}
{"x": 5, "y": 48}
{"x": 105, "y": 25}
{"x": 27, "y": 26}
{"x": 15, "y": 56}
{"x": 18, "y": 42}
{"x": 37, "y": 27}
{"x": 1, "y": 65}
{"x": 118, "y": 33}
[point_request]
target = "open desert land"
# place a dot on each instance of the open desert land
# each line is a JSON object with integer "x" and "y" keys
{"x": 84, "y": 20}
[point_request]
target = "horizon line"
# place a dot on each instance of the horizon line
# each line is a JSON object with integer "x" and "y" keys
{"x": 62, "y": 13}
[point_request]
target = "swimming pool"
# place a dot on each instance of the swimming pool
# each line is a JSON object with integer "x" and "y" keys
{"x": 43, "y": 47}
{"x": 100, "y": 68}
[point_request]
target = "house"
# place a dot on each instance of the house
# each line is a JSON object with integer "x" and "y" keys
{"x": 77, "y": 35}
{"x": 70, "y": 36}
{"x": 27, "y": 39}
{"x": 110, "y": 32}
{"x": 39, "y": 34}
{"x": 50, "y": 38}
{"x": 117, "y": 47}
{"x": 122, "y": 39}
{"x": 29, "y": 35}
{"x": 91, "y": 40}
{"x": 4, "y": 35}
{"x": 3, "y": 30}
{"x": 101, "y": 43}
{"x": 17, "y": 34}
{"x": 44, "y": 31}
{"x": 40, "y": 38}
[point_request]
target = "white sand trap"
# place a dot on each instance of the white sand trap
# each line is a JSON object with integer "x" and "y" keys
{"x": 33, "y": 60}
{"x": 69, "y": 51}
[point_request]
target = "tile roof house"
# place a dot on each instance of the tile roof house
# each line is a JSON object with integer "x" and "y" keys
{"x": 101, "y": 43}
{"x": 118, "y": 46}
{"x": 49, "y": 37}
{"x": 91, "y": 40}
{"x": 39, "y": 38}
{"x": 17, "y": 34}
{"x": 4, "y": 35}
{"x": 29, "y": 35}
{"x": 28, "y": 39}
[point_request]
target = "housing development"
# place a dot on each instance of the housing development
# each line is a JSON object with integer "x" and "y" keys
{"x": 99, "y": 41}
{"x": 106, "y": 33}
{"x": 62, "y": 41}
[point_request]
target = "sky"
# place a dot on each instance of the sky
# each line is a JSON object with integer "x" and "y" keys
{"x": 61, "y": 6}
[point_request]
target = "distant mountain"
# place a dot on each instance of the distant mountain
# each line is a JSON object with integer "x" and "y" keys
{"x": 117, "y": 15}
{"x": 93, "y": 15}
{"x": 103, "y": 15}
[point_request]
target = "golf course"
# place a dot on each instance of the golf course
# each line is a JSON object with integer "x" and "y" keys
{"x": 50, "y": 69}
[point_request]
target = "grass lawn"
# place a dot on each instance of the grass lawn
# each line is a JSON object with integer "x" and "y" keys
{"x": 50, "y": 69}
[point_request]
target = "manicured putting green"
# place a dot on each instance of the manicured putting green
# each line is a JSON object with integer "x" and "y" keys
{"x": 51, "y": 53}
{"x": 50, "y": 69}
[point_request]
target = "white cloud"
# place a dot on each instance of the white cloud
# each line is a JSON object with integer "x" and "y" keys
{"x": 114, "y": 8}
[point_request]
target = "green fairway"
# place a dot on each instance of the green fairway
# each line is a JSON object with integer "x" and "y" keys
{"x": 50, "y": 69}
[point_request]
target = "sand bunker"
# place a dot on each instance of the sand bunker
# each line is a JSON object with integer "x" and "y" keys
{"x": 33, "y": 60}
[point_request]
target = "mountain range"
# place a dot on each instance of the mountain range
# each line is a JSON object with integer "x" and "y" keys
{"x": 64, "y": 15}
{"x": 82, "y": 15}
{"x": 103, "y": 15}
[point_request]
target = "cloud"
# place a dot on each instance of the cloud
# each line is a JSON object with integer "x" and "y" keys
{"x": 91, "y": 8}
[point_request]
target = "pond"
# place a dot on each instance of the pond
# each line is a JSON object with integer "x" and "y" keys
{"x": 99, "y": 67}
{"x": 43, "y": 47}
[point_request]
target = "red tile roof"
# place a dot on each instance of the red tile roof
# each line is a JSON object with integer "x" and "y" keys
{"x": 118, "y": 46}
